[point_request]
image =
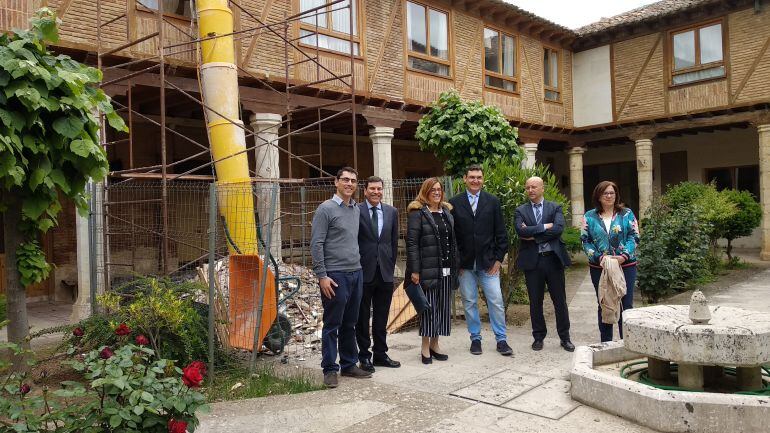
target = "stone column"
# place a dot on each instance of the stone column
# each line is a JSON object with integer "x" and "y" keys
{"x": 382, "y": 137}
{"x": 644, "y": 173}
{"x": 82, "y": 307}
{"x": 265, "y": 126}
{"x": 576, "y": 184}
{"x": 690, "y": 376}
{"x": 530, "y": 150}
{"x": 764, "y": 187}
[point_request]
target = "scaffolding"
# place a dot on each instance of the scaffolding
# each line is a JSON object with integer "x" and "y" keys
{"x": 128, "y": 69}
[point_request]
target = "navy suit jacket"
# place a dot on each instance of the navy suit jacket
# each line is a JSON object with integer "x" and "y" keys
{"x": 380, "y": 251}
{"x": 482, "y": 238}
{"x": 528, "y": 251}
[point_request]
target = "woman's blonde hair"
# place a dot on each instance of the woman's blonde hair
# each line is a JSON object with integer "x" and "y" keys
{"x": 429, "y": 183}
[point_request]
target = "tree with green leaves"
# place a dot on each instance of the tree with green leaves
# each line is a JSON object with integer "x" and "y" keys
{"x": 49, "y": 145}
{"x": 463, "y": 133}
{"x": 505, "y": 178}
{"x": 747, "y": 218}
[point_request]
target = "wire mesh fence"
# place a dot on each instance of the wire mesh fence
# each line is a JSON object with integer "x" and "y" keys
{"x": 248, "y": 245}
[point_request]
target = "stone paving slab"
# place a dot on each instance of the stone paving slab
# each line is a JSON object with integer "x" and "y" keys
{"x": 319, "y": 419}
{"x": 550, "y": 400}
{"x": 501, "y": 387}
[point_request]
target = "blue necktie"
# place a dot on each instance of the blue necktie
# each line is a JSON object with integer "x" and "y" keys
{"x": 538, "y": 213}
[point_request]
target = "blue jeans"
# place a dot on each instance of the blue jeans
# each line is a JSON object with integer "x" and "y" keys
{"x": 340, "y": 317}
{"x": 629, "y": 273}
{"x": 470, "y": 280}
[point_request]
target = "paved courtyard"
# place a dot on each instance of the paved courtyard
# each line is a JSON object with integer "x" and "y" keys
{"x": 528, "y": 392}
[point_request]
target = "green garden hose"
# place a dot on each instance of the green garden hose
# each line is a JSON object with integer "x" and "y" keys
{"x": 626, "y": 372}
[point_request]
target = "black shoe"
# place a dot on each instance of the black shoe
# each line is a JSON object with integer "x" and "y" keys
{"x": 426, "y": 359}
{"x": 476, "y": 347}
{"x": 330, "y": 379}
{"x": 504, "y": 348}
{"x": 366, "y": 365}
{"x": 386, "y": 362}
{"x": 356, "y": 372}
{"x": 438, "y": 356}
{"x": 537, "y": 345}
{"x": 567, "y": 345}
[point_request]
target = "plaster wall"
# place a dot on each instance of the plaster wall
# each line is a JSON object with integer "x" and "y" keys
{"x": 592, "y": 86}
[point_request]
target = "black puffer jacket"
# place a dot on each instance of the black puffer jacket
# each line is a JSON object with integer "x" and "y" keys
{"x": 423, "y": 249}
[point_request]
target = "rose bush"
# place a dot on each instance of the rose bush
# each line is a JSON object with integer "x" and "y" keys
{"x": 126, "y": 389}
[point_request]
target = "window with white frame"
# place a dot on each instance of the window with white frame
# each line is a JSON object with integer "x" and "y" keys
{"x": 697, "y": 54}
{"x": 330, "y": 26}
{"x": 427, "y": 34}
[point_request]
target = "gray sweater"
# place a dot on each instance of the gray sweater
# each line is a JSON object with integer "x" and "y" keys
{"x": 334, "y": 238}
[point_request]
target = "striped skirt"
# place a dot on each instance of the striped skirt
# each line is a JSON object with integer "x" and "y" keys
{"x": 438, "y": 320}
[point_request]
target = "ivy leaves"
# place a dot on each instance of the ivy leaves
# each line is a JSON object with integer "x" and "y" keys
{"x": 464, "y": 133}
{"x": 49, "y": 132}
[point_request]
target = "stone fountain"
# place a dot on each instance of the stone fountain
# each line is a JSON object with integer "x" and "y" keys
{"x": 705, "y": 343}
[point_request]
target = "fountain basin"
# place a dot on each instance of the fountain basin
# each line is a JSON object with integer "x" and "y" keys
{"x": 663, "y": 410}
{"x": 734, "y": 337}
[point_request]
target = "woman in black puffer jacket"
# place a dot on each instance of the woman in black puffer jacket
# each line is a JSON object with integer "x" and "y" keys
{"x": 431, "y": 261}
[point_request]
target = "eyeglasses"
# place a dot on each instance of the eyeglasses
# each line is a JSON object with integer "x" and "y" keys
{"x": 347, "y": 180}
{"x": 608, "y": 194}
{"x": 435, "y": 190}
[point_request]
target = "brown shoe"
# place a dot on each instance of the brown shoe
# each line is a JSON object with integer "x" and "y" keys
{"x": 330, "y": 379}
{"x": 356, "y": 372}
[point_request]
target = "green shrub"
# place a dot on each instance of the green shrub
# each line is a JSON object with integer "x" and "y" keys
{"x": 747, "y": 218}
{"x": 463, "y": 133}
{"x": 673, "y": 250}
{"x": 712, "y": 207}
{"x": 571, "y": 238}
{"x": 162, "y": 310}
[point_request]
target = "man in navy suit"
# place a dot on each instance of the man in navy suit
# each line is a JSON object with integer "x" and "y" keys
{"x": 482, "y": 241}
{"x": 543, "y": 257}
{"x": 378, "y": 245}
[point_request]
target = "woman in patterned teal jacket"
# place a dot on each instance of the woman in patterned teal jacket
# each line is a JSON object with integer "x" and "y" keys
{"x": 611, "y": 229}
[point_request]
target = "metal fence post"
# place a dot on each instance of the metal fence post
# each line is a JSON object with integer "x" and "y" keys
{"x": 303, "y": 220}
{"x": 263, "y": 278}
{"x": 212, "y": 274}
{"x": 92, "y": 246}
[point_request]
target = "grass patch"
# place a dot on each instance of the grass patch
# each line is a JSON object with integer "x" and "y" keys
{"x": 737, "y": 263}
{"x": 262, "y": 383}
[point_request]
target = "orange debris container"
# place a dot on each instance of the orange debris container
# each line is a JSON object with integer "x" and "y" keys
{"x": 245, "y": 277}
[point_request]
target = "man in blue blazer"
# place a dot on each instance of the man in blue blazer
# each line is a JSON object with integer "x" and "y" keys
{"x": 482, "y": 241}
{"x": 378, "y": 245}
{"x": 543, "y": 257}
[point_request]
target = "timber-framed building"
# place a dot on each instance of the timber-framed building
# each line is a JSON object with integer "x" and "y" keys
{"x": 676, "y": 90}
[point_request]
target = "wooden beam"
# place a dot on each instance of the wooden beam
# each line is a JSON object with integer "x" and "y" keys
{"x": 678, "y": 125}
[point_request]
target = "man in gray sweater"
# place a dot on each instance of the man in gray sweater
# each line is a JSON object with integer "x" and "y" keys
{"x": 337, "y": 264}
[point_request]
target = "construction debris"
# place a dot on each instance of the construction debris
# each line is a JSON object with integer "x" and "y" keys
{"x": 302, "y": 306}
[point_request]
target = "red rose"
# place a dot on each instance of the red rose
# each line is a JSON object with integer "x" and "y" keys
{"x": 106, "y": 353}
{"x": 122, "y": 330}
{"x": 175, "y": 426}
{"x": 200, "y": 365}
{"x": 78, "y": 332}
{"x": 24, "y": 389}
{"x": 192, "y": 375}
{"x": 142, "y": 340}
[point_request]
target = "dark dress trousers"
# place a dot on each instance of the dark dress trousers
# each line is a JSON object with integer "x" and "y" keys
{"x": 543, "y": 268}
{"x": 378, "y": 261}
{"x": 481, "y": 238}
